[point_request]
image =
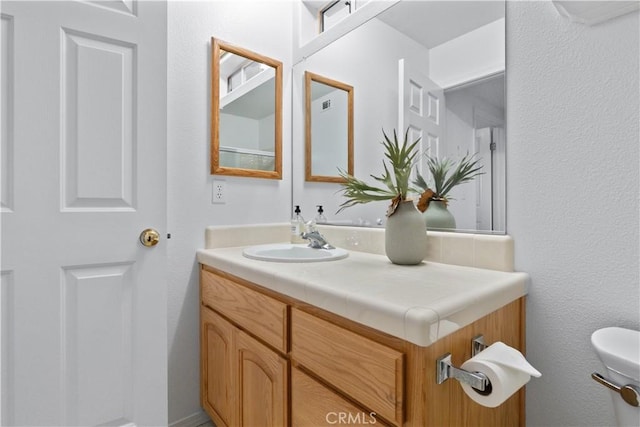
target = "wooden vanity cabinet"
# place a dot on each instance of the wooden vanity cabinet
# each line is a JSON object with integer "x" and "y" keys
{"x": 270, "y": 360}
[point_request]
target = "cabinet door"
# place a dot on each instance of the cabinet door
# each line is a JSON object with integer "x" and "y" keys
{"x": 367, "y": 371}
{"x": 313, "y": 404}
{"x": 217, "y": 367}
{"x": 262, "y": 384}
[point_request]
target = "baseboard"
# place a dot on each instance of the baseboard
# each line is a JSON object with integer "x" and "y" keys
{"x": 192, "y": 420}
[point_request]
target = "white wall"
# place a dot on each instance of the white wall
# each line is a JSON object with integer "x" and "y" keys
{"x": 573, "y": 186}
{"x": 463, "y": 111}
{"x": 266, "y": 130}
{"x": 329, "y": 133}
{"x": 239, "y": 132}
{"x": 572, "y": 198}
{"x": 263, "y": 27}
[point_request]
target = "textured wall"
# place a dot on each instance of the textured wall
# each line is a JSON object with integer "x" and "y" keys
{"x": 572, "y": 202}
{"x": 263, "y": 27}
{"x": 573, "y": 187}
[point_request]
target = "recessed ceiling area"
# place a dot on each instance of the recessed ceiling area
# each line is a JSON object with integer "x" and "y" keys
{"x": 432, "y": 23}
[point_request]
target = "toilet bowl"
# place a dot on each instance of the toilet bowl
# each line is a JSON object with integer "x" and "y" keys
{"x": 619, "y": 351}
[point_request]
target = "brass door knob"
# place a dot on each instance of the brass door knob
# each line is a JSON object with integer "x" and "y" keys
{"x": 149, "y": 237}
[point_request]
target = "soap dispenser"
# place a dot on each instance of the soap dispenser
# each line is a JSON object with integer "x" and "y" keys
{"x": 320, "y": 218}
{"x": 297, "y": 226}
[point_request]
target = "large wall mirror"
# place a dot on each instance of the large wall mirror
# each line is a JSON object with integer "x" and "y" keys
{"x": 246, "y": 112}
{"x": 328, "y": 128}
{"x": 455, "y": 50}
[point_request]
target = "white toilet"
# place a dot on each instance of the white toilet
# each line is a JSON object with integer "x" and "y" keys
{"x": 619, "y": 350}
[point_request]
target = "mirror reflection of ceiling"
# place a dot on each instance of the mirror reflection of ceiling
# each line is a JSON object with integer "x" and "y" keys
{"x": 257, "y": 105}
{"x": 433, "y": 23}
{"x": 259, "y": 88}
{"x": 320, "y": 89}
{"x": 489, "y": 91}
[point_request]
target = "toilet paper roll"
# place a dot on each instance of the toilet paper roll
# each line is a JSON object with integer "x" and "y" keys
{"x": 504, "y": 382}
{"x": 505, "y": 367}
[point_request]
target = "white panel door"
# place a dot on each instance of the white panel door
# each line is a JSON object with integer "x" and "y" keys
{"x": 421, "y": 109}
{"x": 484, "y": 182}
{"x": 490, "y": 189}
{"x": 83, "y": 173}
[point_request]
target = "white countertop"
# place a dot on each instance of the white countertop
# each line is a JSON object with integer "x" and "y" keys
{"x": 419, "y": 304}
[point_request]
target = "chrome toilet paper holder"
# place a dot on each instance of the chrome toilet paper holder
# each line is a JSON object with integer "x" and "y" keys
{"x": 477, "y": 380}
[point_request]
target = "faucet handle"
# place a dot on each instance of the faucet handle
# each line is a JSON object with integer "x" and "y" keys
{"x": 310, "y": 226}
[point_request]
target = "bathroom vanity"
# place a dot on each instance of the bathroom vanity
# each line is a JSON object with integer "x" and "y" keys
{"x": 353, "y": 341}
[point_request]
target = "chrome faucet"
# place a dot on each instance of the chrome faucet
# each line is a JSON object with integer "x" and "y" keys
{"x": 316, "y": 240}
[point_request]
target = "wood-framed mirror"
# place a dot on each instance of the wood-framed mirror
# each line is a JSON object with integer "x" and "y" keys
{"x": 328, "y": 128}
{"x": 246, "y": 112}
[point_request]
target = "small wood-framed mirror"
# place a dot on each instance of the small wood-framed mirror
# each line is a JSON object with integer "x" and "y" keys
{"x": 328, "y": 128}
{"x": 246, "y": 112}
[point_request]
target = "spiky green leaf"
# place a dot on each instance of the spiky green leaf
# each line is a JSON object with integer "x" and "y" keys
{"x": 446, "y": 174}
{"x": 395, "y": 179}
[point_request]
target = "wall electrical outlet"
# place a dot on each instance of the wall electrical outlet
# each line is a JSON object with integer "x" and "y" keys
{"x": 219, "y": 195}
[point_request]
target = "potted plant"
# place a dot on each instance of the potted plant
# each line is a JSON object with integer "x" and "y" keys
{"x": 445, "y": 174}
{"x": 405, "y": 234}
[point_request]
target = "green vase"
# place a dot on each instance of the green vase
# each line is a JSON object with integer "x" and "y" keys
{"x": 438, "y": 217}
{"x": 405, "y": 239}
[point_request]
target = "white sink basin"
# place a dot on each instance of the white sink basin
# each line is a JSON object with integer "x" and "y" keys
{"x": 287, "y": 252}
